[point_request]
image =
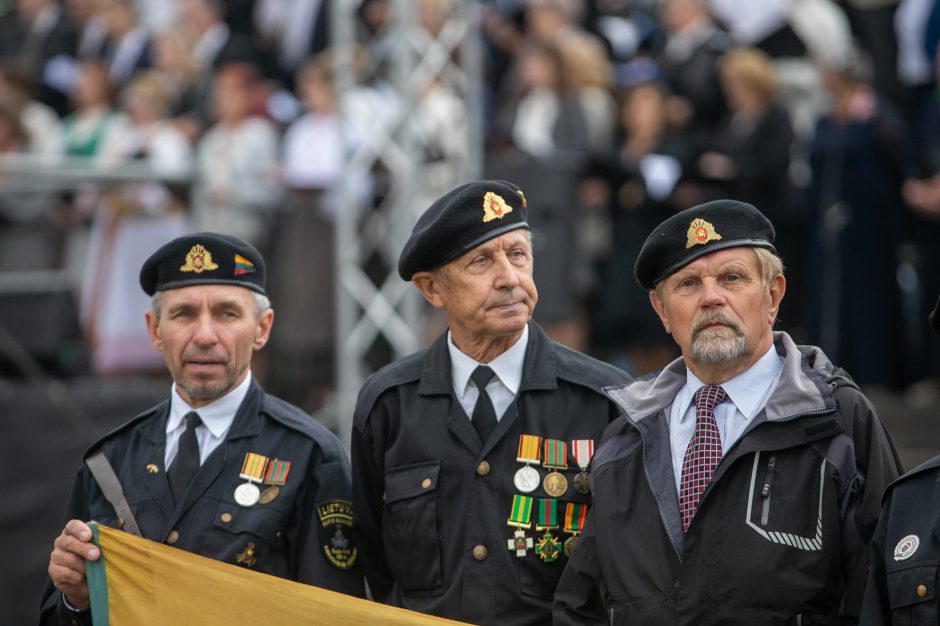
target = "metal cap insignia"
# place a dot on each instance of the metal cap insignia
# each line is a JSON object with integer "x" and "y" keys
{"x": 198, "y": 260}
{"x": 700, "y": 232}
{"x": 906, "y": 548}
{"x": 494, "y": 207}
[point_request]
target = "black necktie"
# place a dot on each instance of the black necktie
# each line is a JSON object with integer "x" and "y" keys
{"x": 186, "y": 464}
{"x": 484, "y": 415}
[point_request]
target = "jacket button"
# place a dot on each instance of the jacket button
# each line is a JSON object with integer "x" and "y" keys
{"x": 226, "y": 518}
{"x": 479, "y": 553}
{"x": 921, "y": 591}
{"x": 483, "y": 468}
{"x": 120, "y": 523}
{"x": 173, "y": 537}
{"x": 425, "y": 483}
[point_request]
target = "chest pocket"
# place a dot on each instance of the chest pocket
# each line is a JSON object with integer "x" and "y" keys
{"x": 785, "y": 504}
{"x": 912, "y": 594}
{"x": 410, "y": 528}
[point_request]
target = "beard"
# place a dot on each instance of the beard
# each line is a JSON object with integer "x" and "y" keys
{"x": 711, "y": 346}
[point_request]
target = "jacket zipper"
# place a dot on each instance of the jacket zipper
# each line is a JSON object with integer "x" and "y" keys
{"x": 765, "y": 490}
{"x": 659, "y": 505}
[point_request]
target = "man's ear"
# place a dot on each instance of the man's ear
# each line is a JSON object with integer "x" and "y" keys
{"x": 153, "y": 326}
{"x": 429, "y": 284}
{"x": 660, "y": 309}
{"x": 263, "y": 331}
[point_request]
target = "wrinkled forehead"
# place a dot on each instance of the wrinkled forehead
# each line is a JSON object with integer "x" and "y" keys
{"x": 741, "y": 258}
{"x": 207, "y": 295}
{"x": 512, "y": 239}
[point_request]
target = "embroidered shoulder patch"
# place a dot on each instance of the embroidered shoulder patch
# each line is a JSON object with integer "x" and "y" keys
{"x": 336, "y": 518}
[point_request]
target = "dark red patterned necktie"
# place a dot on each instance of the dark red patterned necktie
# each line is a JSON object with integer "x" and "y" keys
{"x": 703, "y": 453}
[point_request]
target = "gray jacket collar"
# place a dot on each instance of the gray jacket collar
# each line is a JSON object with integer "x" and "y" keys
{"x": 802, "y": 387}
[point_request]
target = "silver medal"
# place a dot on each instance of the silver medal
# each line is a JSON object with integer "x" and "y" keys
{"x": 247, "y": 494}
{"x": 527, "y": 479}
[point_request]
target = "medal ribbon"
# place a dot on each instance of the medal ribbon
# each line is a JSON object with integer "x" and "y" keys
{"x": 556, "y": 454}
{"x": 548, "y": 514}
{"x": 253, "y": 467}
{"x": 277, "y": 472}
{"x": 528, "y": 449}
{"x": 575, "y": 514}
{"x": 521, "y": 513}
{"x": 583, "y": 450}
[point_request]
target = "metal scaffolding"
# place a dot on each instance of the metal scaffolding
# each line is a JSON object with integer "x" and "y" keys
{"x": 409, "y": 84}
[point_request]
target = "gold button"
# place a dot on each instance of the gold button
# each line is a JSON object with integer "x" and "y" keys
{"x": 479, "y": 553}
{"x": 226, "y": 518}
{"x": 483, "y": 468}
{"x": 426, "y": 483}
{"x": 921, "y": 591}
{"x": 173, "y": 537}
{"x": 120, "y": 523}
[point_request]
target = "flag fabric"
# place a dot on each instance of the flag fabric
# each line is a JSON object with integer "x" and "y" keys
{"x": 143, "y": 583}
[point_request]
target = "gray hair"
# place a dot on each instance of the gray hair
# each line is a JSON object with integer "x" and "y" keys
{"x": 262, "y": 302}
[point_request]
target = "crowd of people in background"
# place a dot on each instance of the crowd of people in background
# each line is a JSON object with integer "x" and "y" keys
{"x": 824, "y": 114}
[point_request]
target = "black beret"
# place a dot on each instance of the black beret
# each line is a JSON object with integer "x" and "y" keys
{"x": 203, "y": 259}
{"x": 698, "y": 231}
{"x": 460, "y": 220}
{"x": 935, "y": 318}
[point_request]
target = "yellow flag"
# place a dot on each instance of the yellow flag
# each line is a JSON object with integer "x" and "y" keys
{"x": 143, "y": 583}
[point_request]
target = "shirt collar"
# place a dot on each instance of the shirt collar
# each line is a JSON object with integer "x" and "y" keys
{"x": 507, "y": 366}
{"x": 217, "y": 416}
{"x": 747, "y": 389}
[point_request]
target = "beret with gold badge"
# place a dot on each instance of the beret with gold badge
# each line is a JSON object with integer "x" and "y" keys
{"x": 203, "y": 259}
{"x": 698, "y": 231}
{"x": 459, "y": 221}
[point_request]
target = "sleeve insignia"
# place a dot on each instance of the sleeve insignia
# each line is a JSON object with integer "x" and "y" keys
{"x": 336, "y": 518}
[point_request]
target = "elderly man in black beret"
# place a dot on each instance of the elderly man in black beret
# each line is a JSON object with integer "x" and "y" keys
{"x": 220, "y": 469}
{"x": 470, "y": 458}
{"x": 742, "y": 485}
{"x": 905, "y": 551}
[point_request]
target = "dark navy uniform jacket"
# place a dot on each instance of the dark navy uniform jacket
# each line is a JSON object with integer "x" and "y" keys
{"x": 284, "y": 537}
{"x": 432, "y": 501}
{"x": 905, "y": 552}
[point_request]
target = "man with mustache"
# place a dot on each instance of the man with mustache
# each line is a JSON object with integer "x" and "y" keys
{"x": 469, "y": 458}
{"x": 742, "y": 484}
{"x": 221, "y": 468}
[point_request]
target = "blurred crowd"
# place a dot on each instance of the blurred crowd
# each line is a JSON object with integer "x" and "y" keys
{"x": 824, "y": 114}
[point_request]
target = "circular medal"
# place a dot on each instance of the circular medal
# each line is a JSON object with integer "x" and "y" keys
{"x": 570, "y": 544}
{"x": 526, "y": 479}
{"x": 555, "y": 484}
{"x": 269, "y": 494}
{"x": 582, "y": 482}
{"x": 247, "y": 494}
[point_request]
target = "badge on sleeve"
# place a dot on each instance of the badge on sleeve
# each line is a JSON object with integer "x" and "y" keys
{"x": 906, "y": 548}
{"x": 336, "y": 518}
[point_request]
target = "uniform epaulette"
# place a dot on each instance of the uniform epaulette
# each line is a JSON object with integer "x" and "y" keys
{"x": 294, "y": 418}
{"x": 582, "y": 369}
{"x": 129, "y": 424}
{"x": 404, "y": 370}
{"x": 926, "y": 466}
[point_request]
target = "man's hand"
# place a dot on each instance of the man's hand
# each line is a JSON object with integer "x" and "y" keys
{"x": 67, "y": 563}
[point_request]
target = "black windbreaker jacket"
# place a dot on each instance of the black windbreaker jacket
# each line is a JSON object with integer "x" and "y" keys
{"x": 781, "y": 533}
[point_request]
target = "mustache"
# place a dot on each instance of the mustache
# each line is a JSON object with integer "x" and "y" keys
{"x": 202, "y": 355}
{"x": 699, "y": 324}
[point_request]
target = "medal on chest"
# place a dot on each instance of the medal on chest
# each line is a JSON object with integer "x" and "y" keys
{"x": 527, "y": 478}
{"x": 575, "y": 514}
{"x": 583, "y": 450}
{"x": 556, "y": 458}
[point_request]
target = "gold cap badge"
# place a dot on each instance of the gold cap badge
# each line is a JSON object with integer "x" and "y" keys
{"x": 198, "y": 260}
{"x": 152, "y": 468}
{"x": 700, "y": 232}
{"x": 494, "y": 207}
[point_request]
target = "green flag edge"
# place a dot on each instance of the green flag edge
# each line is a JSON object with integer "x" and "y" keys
{"x": 97, "y": 583}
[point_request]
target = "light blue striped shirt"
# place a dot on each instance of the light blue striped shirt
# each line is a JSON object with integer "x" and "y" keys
{"x": 747, "y": 393}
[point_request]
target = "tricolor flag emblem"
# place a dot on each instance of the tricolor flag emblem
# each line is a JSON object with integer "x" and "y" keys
{"x": 243, "y": 265}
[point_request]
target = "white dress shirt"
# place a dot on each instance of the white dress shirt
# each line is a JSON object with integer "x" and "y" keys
{"x": 217, "y": 418}
{"x": 747, "y": 393}
{"x": 502, "y": 388}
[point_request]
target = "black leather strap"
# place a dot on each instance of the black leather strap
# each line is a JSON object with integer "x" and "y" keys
{"x": 101, "y": 469}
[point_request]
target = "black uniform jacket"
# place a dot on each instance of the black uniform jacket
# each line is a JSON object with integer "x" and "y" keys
{"x": 905, "y": 552}
{"x": 432, "y": 501}
{"x": 284, "y": 537}
{"x": 781, "y": 533}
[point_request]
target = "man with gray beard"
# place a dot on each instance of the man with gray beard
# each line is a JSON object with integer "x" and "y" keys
{"x": 742, "y": 484}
